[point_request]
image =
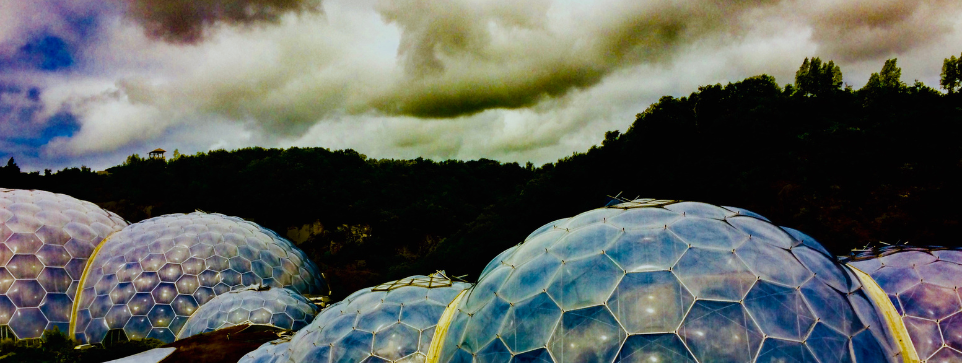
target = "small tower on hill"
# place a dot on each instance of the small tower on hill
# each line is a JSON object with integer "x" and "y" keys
{"x": 157, "y": 153}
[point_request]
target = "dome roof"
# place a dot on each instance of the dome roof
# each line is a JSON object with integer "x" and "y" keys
{"x": 149, "y": 278}
{"x": 391, "y": 322}
{"x": 653, "y": 280}
{"x": 277, "y": 307}
{"x": 45, "y": 240}
{"x": 923, "y": 284}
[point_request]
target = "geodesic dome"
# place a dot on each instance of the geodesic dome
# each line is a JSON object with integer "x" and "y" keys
{"x": 278, "y": 307}
{"x": 666, "y": 281}
{"x": 45, "y": 240}
{"x": 149, "y": 278}
{"x": 923, "y": 284}
{"x": 277, "y": 351}
{"x": 392, "y": 322}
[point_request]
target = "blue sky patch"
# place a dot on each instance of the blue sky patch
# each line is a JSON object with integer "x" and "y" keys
{"x": 48, "y": 53}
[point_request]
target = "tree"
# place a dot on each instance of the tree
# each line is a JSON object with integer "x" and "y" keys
{"x": 11, "y": 168}
{"x": 815, "y": 78}
{"x": 951, "y": 74}
{"x": 890, "y": 78}
{"x": 133, "y": 159}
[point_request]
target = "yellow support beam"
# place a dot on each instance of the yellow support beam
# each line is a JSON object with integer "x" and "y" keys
{"x": 434, "y": 350}
{"x": 80, "y": 287}
{"x": 890, "y": 315}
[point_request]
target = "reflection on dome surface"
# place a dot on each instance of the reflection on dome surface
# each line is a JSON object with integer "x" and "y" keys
{"x": 392, "y": 322}
{"x": 278, "y": 307}
{"x": 149, "y": 278}
{"x": 665, "y": 281}
{"x": 923, "y": 284}
{"x": 45, "y": 240}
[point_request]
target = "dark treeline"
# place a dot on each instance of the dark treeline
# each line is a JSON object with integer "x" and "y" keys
{"x": 849, "y": 167}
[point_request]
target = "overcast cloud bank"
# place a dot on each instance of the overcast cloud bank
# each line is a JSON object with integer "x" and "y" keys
{"x": 89, "y": 82}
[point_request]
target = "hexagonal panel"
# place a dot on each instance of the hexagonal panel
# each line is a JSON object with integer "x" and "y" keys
{"x": 395, "y": 342}
{"x": 24, "y": 266}
{"x": 493, "y": 352}
{"x": 585, "y": 282}
{"x": 26, "y": 293}
{"x": 53, "y": 255}
{"x": 925, "y": 335}
{"x": 708, "y": 233}
{"x": 644, "y": 218}
{"x": 170, "y": 272}
{"x": 485, "y": 290}
{"x": 831, "y": 307}
{"x": 138, "y": 327}
{"x": 930, "y": 301}
{"x": 908, "y": 259}
{"x": 718, "y": 331}
{"x": 650, "y": 302}
{"x": 28, "y": 322}
{"x": 591, "y": 240}
{"x": 146, "y": 281}
{"x": 354, "y": 347}
{"x": 54, "y": 279}
{"x": 421, "y": 314}
{"x": 24, "y": 243}
{"x": 164, "y": 293}
{"x": 530, "y": 278}
{"x": 647, "y": 250}
{"x": 117, "y": 317}
{"x": 7, "y": 309}
{"x": 187, "y": 284}
{"x": 779, "y": 311}
{"x": 591, "y": 217}
{"x": 713, "y": 274}
{"x": 161, "y": 315}
{"x": 6, "y": 280}
{"x": 832, "y": 346}
{"x": 773, "y": 264}
{"x": 141, "y": 303}
{"x": 56, "y": 307}
{"x": 895, "y": 280}
{"x": 777, "y": 350}
{"x": 184, "y": 305}
{"x": 122, "y": 292}
{"x": 484, "y": 325}
{"x": 654, "y": 348}
{"x": 378, "y": 317}
{"x": 587, "y": 335}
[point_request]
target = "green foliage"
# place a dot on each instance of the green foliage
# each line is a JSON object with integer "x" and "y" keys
{"x": 814, "y": 78}
{"x": 951, "y": 78}
{"x": 888, "y": 80}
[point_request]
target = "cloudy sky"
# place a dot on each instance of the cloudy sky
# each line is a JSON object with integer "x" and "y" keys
{"x": 88, "y": 82}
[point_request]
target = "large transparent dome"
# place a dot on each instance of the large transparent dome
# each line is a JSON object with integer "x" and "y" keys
{"x": 923, "y": 284}
{"x": 148, "y": 279}
{"x": 45, "y": 240}
{"x": 276, "y": 307}
{"x": 392, "y": 322}
{"x": 664, "y": 281}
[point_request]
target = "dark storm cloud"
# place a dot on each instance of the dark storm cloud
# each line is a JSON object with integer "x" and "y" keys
{"x": 457, "y": 61}
{"x": 870, "y": 29}
{"x": 186, "y": 21}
